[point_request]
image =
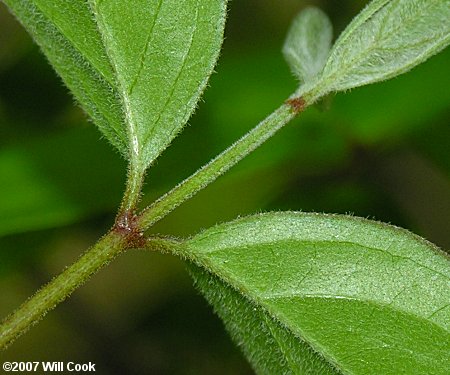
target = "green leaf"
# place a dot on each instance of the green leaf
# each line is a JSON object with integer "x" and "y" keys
{"x": 163, "y": 52}
{"x": 68, "y": 36}
{"x": 270, "y": 348}
{"x": 137, "y": 67}
{"x": 336, "y": 292}
{"x": 388, "y": 38}
{"x": 308, "y": 43}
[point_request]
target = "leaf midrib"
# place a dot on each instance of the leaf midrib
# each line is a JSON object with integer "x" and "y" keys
{"x": 231, "y": 279}
{"x": 318, "y": 350}
{"x": 345, "y": 68}
{"x": 300, "y": 332}
{"x": 132, "y": 129}
{"x": 373, "y": 303}
{"x": 340, "y": 242}
{"x": 183, "y": 64}
{"x": 144, "y": 51}
{"x": 284, "y": 351}
{"x": 89, "y": 65}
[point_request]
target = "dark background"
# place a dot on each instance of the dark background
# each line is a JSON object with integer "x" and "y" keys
{"x": 380, "y": 152}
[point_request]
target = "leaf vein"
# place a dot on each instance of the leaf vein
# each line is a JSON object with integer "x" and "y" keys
{"x": 384, "y": 251}
{"x": 174, "y": 85}
{"x": 145, "y": 49}
{"x": 362, "y": 55}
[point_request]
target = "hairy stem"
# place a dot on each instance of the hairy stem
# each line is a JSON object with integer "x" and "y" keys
{"x": 220, "y": 164}
{"x": 128, "y": 230}
{"x": 133, "y": 189}
{"x": 57, "y": 290}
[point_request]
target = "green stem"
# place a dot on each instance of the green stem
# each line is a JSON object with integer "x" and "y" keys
{"x": 60, "y": 287}
{"x": 163, "y": 245}
{"x": 219, "y": 165}
{"x": 127, "y": 232}
{"x": 133, "y": 189}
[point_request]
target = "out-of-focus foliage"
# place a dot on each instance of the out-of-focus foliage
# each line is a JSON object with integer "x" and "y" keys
{"x": 308, "y": 44}
{"x": 378, "y": 151}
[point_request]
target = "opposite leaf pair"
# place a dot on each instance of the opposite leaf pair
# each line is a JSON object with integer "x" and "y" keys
{"x": 138, "y": 69}
{"x": 301, "y": 293}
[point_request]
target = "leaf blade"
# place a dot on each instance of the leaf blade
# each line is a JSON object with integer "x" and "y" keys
{"x": 56, "y": 26}
{"x": 388, "y": 38}
{"x": 303, "y": 269}
{"x": 69, "y": 17}
{"x": 269, "y": 347}
{"x": 139, "y": 98}
{"x": 308, "y": 43}
{"x": 162, "y": 68}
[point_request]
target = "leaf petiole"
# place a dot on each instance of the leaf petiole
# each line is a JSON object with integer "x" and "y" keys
{"x": 135, "y": 179}
{"x": 127, "y": 231}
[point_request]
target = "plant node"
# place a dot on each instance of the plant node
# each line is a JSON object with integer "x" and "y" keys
{"x": 297, "y": 104}
{"x": 126, "y": 226}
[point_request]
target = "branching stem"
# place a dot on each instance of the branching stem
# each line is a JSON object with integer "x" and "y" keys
{"x": 219, "y": 165}
{"x": 129, "y": 227}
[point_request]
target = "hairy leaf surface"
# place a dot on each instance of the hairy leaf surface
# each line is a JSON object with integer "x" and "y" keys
{"x": 308, "y": 43}
{"x": 388, "y": 38}
{"x": 163, "y": 52}
{"x": 138, "y": 68}
{"x": 355, "y": 296}
{"x": 270, "y": 348}
{"x": 68, "y": 36}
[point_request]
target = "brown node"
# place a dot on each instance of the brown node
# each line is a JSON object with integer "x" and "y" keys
{"x": 297, "y": 104}
{"x": 126, "y": 226}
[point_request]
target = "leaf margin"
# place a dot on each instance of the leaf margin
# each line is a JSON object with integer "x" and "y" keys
{"x": 240, "y": 286}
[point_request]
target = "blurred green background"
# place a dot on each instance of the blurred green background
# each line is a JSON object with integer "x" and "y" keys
{"x": 380, "y": 152}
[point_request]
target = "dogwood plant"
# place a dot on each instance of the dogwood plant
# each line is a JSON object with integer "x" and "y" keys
{"x": 301, "y": 293}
